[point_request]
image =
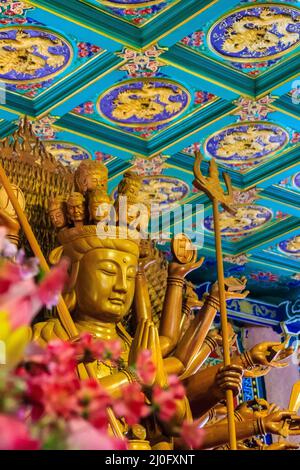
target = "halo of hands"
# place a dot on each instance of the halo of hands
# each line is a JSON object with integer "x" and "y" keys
{"x": 263, "y": 356}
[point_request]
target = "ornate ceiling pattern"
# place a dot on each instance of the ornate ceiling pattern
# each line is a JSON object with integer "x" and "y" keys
{"x": 142, "y": 84}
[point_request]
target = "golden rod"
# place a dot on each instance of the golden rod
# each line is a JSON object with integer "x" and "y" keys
{"x": 224, "y": 323}
{"x": 63, "y": 312}
{"x": 211, "y": 186}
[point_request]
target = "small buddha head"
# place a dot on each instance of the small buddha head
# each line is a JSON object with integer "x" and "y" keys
{"x": 99, "y": 205}
{"x": 76, "y": 207}
{"x": 103, "y": 274}
{"x": 91, "y": 175}
{"x": 130, "y": 187}
{"x": 58, "y": 212}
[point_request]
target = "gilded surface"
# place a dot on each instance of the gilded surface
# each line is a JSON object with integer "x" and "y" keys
{"x": 31, "y": 54}
{"x": 262, "y": 35}
{"x": 246, "y": 142}
{"x": 144, "y": 101}
{"x": 257, "y": 32}
{"x": 246, "y": 219}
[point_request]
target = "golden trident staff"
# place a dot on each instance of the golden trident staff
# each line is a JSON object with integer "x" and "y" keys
{"x": 84, "y": 370}
{"x": 212, "y": 187}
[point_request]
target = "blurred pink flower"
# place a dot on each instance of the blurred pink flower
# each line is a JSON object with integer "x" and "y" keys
{"x": 131, "y": 405}
{"x": 164, "y": 399}
{"x": 93, "y": 401}
{"x": 53, "y": 395}
{"x": 164, "y": 403}
{"x": 60, "y": 357}
{"x": 14, "y": 435}
{"x": 192, "y": 435}
{"x": 89, "y": 349}
{"x": 176, "y": 387}
{"x": 145, "y": 367}
{"x": 83, "y": 436}
{"x": 53, "y": 283}
{"x": 3, "y": 233}
{"x": 113, "y": 350}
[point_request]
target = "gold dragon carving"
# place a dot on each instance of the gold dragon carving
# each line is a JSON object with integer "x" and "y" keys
{"x": 243, "y": 217}
{"x": 66, "y": 154}
{"x": 23, "y": 53}
{"x": 146, "y": 103}
{"x": 294, "y": 245}
{"x": 247, "y": 143}
{"x": 266, "y": 31}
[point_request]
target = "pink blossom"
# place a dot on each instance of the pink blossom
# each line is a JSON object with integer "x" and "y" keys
{"x": 93, "y": 400}
{"x": 83, "y": 436}
{"x": 10, "y": 274}
{"x": 192, "y": 435}
{"x": 88, "y": 348}
{"x": 176, "y": 387}
{"x": 52, "y": 383}
{"x": 61, "y": 355}
{"x": 3, "y": 233}
{"x": 14, "y": 435}
{"x": 145, "y": 367}
{"x": 113, "y": 350}
{"x": 163, "y": 401}
{"x": 53, "y": 283}
{"x": 52, "y": 395}
{"x": 21, "y": 308}
{"x": 132, "y": 404}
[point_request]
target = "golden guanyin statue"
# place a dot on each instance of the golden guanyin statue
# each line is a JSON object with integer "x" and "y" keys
{"x": 107, "y": 281}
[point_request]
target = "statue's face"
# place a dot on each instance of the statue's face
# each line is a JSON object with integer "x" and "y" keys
{"x": 58, "y": 218}
{"x": 76, "y": 212}
{"x": 105, "y": 284}
{"x": 95, "y": 180}
{"x": 99, "y": 210}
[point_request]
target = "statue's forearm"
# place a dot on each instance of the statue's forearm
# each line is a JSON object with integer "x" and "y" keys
{"x": 201, "y": 392}
{"x": 169, "y": 329}
{"x": 217, "y": 434}
{"x": 193, "y": 339}
{"x": 114, "y": 383}
{"x": 196, "y": 361}
{"x": 141, "y": 302}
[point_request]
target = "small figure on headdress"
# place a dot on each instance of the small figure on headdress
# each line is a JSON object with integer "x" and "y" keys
{"x": 99, "y": 205}
{"x": 58, "y": 213}
{"x": 91, "y": 175}
{"x": 130, "y": 209}
{"x": 76, "y": 209}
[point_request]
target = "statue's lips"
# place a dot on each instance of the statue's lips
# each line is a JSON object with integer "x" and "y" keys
{"x": 117, "y": 301}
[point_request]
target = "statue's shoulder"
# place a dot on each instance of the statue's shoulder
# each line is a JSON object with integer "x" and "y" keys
{"x": 44, "y": 332}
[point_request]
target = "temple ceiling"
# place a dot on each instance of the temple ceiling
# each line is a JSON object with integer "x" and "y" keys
{"x": 141, "y": 84}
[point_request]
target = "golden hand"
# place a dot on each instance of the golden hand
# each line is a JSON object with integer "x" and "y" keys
{"x": 284, "y": 445}
{"x": 263, "y": 354}
{"x": 179, "y": 270}
{"x": 255, "y": 409}
{"x": 234, "y": 288}
{"x": 228, "y": 378}
{"x": 275, "y": 423}
{"x": 146, "y": 337}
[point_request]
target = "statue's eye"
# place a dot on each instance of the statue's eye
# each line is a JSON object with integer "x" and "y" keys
{"x": 108, "y": 267}
{"x": 131, "y": 272}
